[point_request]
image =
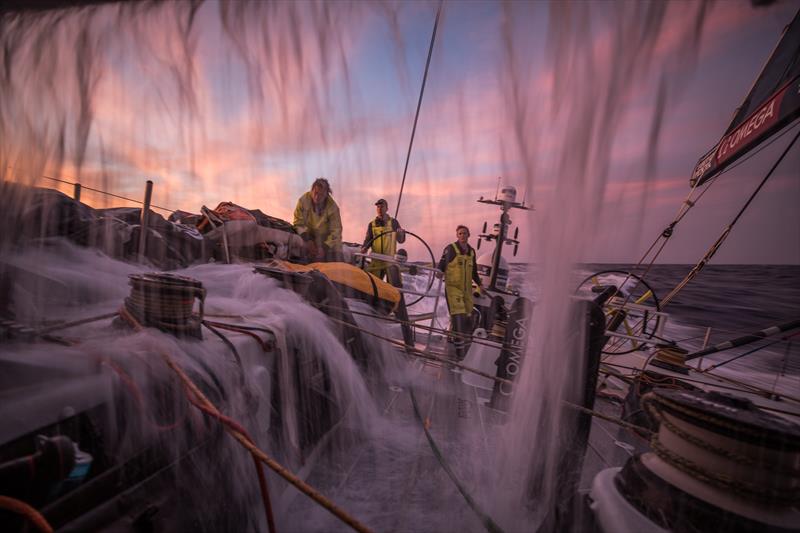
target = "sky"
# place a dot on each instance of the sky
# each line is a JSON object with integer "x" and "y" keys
{"x": 250, "y": 105}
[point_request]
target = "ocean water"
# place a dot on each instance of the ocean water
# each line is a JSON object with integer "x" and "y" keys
{"x": 732, "y": 300}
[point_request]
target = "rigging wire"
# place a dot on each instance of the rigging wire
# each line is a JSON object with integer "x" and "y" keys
{"x": 419, "y": 105}
{"x": 714, "y": 247}
{"x": 108, "y": 194}
{"x": 445, "y": 332}
{"x": 490, "y": 525}
{"x": 740, "y": 386}
{"x": 748, "y": 352}
{"x": 778, "y": 375}
{"x": 688, "y": 203}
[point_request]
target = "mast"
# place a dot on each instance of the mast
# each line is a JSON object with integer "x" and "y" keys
{"x": 505, "y": 220}
{"x": 507, "y": 201}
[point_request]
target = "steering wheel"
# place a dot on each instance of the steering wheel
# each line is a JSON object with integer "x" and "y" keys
{"x": 420, "y": 239}
{"x": 628, "y": 289}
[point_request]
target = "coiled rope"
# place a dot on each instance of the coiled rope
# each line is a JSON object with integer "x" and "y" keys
{"x": 166, "y": 301}
{"x": 752, "y": 491}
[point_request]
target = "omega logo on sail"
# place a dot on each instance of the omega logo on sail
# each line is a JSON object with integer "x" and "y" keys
{"x": 705, "y": 164}
{"x": 746, "y": 131}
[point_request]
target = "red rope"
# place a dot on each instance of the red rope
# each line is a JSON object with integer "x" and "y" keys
{"x": 211, "y": 411}
{"x": 202, "y": 403}
{"x": 134, "y": 390}
{"x": 247, "y": 442}
{"x": 264, "y": 344}
{"x": 20, "y": 507}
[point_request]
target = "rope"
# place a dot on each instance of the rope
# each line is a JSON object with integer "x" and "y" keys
{"x": 687, "y": 204}
{"x": 237, "y": 358}
{"x": 422, "y": 353}
{"x": 198, "y": 399}
{"x": 240, "y": 329}
{"x": 649, "y": 404}
{"x": 783, "y": 366}
{"x": 419, "y": 106}
{"x": 758, "y": 348}
{"x": 747, "y": 388}
{"x": 614, "y": 420}
{"x": 714, "y": 247}
{"x": 76, "y": 323}
{"x": 720, "y": 480}
{"x": 485, "y": 519}
{"x": 684, "y": 209}
{"x": 630, "y": 378}
{"x": 465, "y": 336}
{"x": 19, "y": 507}
{"x": 136, "y": 393}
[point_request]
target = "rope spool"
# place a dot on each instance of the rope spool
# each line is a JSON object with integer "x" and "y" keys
{"x": 166, "y": 301}
{"x": 716, "y": 455}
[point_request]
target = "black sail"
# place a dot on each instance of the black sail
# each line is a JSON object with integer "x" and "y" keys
{"x": 773, "y": 102}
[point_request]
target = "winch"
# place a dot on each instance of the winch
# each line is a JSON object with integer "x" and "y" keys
{"x": 717, "y": 463}
{"x": 166, "y": 301}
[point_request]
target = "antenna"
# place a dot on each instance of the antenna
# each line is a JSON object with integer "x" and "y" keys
{"x": 525, "y": 193}
{"x": 498, "y": 188}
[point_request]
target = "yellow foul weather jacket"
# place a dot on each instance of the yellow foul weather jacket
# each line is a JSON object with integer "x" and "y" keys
{"x": 384, "y": 241}
{"x": 459, "y": 270}
{"x": 323, "y": 228}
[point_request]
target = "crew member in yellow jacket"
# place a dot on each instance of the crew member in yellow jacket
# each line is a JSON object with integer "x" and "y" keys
{"x": 383, "y": 234}
{"x": 460, "y": 269}
{"x": 317, "y": 221}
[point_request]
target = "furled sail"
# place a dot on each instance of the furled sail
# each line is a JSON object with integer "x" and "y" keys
{"x": 773, "y": 102}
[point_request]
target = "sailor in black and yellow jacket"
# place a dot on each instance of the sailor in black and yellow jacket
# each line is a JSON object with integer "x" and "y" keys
{"x": 383, "y": 234}
{"x": 460, "y": 268}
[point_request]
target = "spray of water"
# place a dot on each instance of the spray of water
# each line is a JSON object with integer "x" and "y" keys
{"x": 599, "y": 55}
{"x": 101, "y": 93}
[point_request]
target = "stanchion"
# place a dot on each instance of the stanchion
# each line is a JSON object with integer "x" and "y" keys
{"x": 148, "y": 193}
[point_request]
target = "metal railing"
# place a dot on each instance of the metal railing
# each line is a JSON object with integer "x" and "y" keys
{"x": 146, "y": 206}
{"x": 403, "y": 263}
